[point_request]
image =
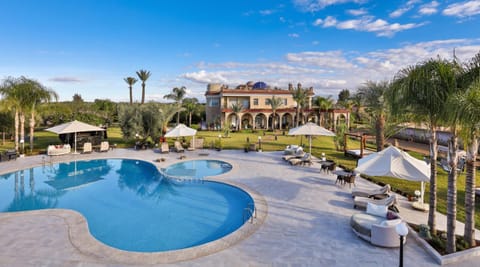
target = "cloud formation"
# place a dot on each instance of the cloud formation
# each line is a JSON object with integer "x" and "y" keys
{"x": 404, "y": 9}
{"x": 429, "y": 9}
{"x": 65, "y": 79}
{"x": 366, "y": 24}
{"x": 463, "y": 9}
{"x": 331, "y": 71}
{"x": 316, "y": 5}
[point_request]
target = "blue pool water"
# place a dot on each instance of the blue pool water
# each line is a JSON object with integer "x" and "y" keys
{"x": 128, "y": 204}
{"x": 197, "y": 168}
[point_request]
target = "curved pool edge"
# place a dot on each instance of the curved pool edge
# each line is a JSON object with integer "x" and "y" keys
{"x": 81, "y": 238}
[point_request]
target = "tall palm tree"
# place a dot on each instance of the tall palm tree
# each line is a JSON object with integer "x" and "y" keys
{"x": 324, "y": 104}
{"x": 143, "y": 75}
{"x": 373, "y": 95}
{"x": 12, "y": 101}
{"x": 423, "y": 91}
{"x": 131, "y": 81}
{"x": 191, "y": 106}
{"x": 36, "y": 94}
{"x": 299, "y": 95}
{"x": 237, "y": 108}
{"x": 468, "y": 110}
{"x": 177, "y": 95}
{"x": 275, "y": 103}
{"x": 166, "y": 113}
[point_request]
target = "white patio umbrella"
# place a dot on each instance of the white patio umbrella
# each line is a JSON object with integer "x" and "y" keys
{"x": 181, "y": 130}
{"x": 394, "y": 162}
{"x": 74, "y": 127}
{"x": 310, "y": 129}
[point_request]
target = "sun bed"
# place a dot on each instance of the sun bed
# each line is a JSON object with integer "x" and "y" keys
{"x": 178, "y": 147}
{"x": 290, "y": 149}
{"x": 164, "y": 148}
{"x": 87, "y": 147}
{"x": 104, "y": 146}
{"x": 299, "y": 153}
{"x": 55, "y": 150}
{"x": 362, "y": 202}
{"x": 380, "y": 192}
{"x": 306, "y": 159}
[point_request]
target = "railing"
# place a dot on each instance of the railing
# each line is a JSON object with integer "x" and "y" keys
{"x": 250, "y": 212}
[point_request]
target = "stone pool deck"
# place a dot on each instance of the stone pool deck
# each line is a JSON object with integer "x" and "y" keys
{"x": 306, "y": 223}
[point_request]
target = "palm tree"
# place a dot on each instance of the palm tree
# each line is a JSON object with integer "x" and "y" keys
{"x": 143, "y": 75}
{"x": 36, "y": 94}
{"x": 423, "y": 91}
{"x": 12, "y": 101}
{"x": 177, "y": 95}
{"x": 324, "y": 104}
{"x": 468, "y": 110}
{"x": 131, "y": 81}
{"x": 299, "y": 95}
{"x": 373, "y": 96}
{"x": 275, "y": 103}
{"x": 191, "y": 106}
{"x": 237, "y": 108}
{"x": 166, "y": 113}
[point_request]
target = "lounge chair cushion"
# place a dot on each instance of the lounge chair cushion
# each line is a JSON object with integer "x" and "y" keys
{"x": 377, "y": 210}
{"x": 391, "y": 222}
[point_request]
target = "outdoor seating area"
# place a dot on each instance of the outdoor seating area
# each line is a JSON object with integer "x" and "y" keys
{"x": 8, "y": 155}
{"x": 376, "y": 193}
{"x": 178, "y": 147}
{"x": 363, "y": 202}
{"x": 377, "y": 226}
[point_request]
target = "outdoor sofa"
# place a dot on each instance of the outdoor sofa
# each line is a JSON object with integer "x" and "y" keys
{"x": 55, "y": 150}
{"x": 377, "y": 226}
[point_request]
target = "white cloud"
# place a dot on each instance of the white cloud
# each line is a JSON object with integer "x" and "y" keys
{"x": 367, "y": 24}
{"x": 331, "y": 71}
{"x": 403, "y": 9}
{"x": 266, "y": 12}
{"x": 463, "y": 9}
{"x": 357, "y": 12}
{"x": 66, "y": 79}
{"x": 316, "y": 5}
{"x": 293, "y": 35}
{"x": 429, "y": 9}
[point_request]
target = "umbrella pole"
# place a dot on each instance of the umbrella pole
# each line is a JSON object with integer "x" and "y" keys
{"x": 75, "y": 143}
{"x": 310, "y": 143}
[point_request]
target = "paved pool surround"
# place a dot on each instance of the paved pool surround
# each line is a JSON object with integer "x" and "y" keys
{"x": 302, "y": 219}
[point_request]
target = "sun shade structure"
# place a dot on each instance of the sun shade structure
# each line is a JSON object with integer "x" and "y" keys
{"x": 396, "y": 163}
{"x": 310, "y": 129}
{"x": 74, "y": 127}
{"x": 181, "y": 130}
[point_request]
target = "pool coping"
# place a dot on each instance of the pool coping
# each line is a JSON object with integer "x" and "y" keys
{"x": 81, "y": 238}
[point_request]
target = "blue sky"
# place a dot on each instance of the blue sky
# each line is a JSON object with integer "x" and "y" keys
{"x": 89, "y": 46}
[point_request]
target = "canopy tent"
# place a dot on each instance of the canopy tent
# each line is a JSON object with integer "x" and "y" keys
{"x": 310, "y": 129}
{"x": 396, "y": 163}
{"x": 74, "y": 127}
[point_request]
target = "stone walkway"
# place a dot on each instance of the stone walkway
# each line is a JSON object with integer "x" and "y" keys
{"x": 307, "y": 222}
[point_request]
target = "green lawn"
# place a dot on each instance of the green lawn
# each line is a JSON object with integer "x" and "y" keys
{"x": 320, "y": 145}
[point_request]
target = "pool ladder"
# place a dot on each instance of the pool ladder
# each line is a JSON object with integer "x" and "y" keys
{"x": 250, "y": 212}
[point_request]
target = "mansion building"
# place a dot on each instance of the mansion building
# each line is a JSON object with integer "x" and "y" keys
{"x": 256, "y": 112}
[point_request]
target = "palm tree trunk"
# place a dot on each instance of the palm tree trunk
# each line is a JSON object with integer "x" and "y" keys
{"x": 22, "y": 131}
{"x": 131, "y": 96}
{"x": 178, "y": 117}
{"x": 143, "y": 92}
{"x": 380, "y": 132}
{"x": 189, "y": 119}
{"x": 32, "y": 129}
{"x": 17, "y": 125}
{"x": 469, "y": 231}
{"x": 433, "y": 181}
{"x": 452, "y": 192}
{"x": 297, "y": 116}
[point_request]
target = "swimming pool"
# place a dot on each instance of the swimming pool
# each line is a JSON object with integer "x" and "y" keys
{"x": 197, "y": 169}
{"x": 127, "y": 204}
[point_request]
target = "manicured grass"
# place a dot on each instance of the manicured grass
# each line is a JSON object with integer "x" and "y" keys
{"x": 320, "y": 144}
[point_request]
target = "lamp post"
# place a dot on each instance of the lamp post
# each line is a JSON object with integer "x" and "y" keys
{"x": 219, "y": 142}
{"x": 260, "y": 143}
{"x": 402, "y": 231}
{"x": 22, "y": 146}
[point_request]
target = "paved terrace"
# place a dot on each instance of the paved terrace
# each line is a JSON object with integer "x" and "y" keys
{"x": 307, "y": 222}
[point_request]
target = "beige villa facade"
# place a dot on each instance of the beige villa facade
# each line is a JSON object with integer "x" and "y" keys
{"x": 256, "y": 112}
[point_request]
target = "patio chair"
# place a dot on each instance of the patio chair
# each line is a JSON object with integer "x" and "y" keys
{"x": 104, "y": 146}
{"x": 178, "y": 147}
{"x": 164, "y": 148}
{"x": 87, "y": 147}
{"x": 390, "y": 202}
{"x": 350, "y": 179}
{"x": 307, "y": 158}
{"x": 290, "y": 149}
{"x": 380, "y": 192}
